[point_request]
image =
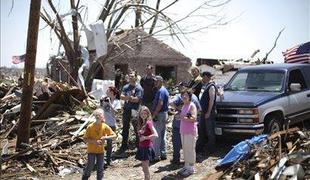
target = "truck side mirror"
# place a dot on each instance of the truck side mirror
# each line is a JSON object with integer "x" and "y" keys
{"x": 295, "y": 87}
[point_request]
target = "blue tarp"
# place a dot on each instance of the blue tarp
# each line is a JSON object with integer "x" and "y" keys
{"x": 240, "y": 150}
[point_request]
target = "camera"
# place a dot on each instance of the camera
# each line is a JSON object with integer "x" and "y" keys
{"x": 188, "y": 115}
{"x": 104, "y": 100}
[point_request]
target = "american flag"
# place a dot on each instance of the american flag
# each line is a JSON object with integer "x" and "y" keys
{"x": 18, "y": 59}
{"x": 298, "y": 54}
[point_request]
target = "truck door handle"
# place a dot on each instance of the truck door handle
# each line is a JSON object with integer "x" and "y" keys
{"x": 308, "y": 95}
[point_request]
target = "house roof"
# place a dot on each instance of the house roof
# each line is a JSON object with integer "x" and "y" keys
{"x": 136, "y": 43}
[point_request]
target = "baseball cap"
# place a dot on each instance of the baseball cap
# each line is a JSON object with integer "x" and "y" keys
{"x": 159, "y": 78}
{"x": 207, "y": 73}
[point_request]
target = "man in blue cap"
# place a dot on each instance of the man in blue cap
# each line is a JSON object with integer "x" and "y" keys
{"x": 160, "y": 116}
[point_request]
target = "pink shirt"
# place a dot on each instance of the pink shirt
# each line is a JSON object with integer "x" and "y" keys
{"x": 146, "y": 131}
{"x": 187, "y": 127}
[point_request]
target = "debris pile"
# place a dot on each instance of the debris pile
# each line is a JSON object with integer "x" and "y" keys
{"x": 51, "y": 146}
{"x": 284, "y": 155}
{"x": 55, "y": 142}
{"x": 58, "y": 123}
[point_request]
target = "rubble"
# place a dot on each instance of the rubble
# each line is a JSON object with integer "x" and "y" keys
{"x": 51, "y": 147}
{"x": 56, "y": 146}
{"x": 284, "y": 155}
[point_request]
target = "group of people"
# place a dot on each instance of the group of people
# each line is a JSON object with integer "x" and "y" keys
{"x": 146, "y": 106}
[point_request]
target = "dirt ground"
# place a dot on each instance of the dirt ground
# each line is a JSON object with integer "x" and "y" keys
{"x": 130, "y": 169}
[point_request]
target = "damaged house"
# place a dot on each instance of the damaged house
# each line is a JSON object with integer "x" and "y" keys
{"x": 58, "y": 68}
{"x": 134, "y": 49}
{"x": 130, "y": 49}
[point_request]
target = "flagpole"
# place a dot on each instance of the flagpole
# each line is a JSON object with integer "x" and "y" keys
{"x": 23, "y": 130}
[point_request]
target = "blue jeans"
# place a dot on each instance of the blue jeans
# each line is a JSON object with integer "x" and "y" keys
{"x": 206, "y": 135}
{"x": 160, "y": 142}
{"x": 109, "y": 147}
{"x": 93, "y": 159}
{"x": 211, "y": 133}
{"x": 176, "y": 143}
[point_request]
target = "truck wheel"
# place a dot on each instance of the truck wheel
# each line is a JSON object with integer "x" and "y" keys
{"x": 273, "y": 125}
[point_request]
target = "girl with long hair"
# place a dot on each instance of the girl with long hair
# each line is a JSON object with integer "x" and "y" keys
{"x": 146, "y": 133}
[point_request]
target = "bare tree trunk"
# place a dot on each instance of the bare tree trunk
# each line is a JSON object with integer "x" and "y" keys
{"x": 23, "y": 132}
{"x": 138, "y": 14}
{"x": 155, "y": 18}
{"x": 116, "y": 21}
{"x": 274, "y": 45}
{"x": 75, "y": 62}
{"x": 60, "y": 31}
{"x": 106, "y": 10}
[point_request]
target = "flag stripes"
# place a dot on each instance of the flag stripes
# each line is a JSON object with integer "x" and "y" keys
{"x": 18, "y": 59}
{"x": 298, "y": 54}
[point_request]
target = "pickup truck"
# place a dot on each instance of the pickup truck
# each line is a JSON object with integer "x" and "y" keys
{"x": 264, "y": 99}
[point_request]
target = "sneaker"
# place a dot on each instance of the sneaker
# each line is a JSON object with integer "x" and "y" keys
{"x": 181, "y": 171}
{"x": 187, "y": 172}
{"x": 191, "y": 168}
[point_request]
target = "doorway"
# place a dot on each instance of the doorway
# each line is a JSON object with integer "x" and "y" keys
{"x": 167, "y": 72}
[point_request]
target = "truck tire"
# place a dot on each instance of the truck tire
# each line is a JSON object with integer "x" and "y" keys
{"x": 273, "y": 124}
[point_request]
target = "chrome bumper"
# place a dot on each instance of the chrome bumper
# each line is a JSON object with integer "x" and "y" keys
{"x": 221, "y": 129}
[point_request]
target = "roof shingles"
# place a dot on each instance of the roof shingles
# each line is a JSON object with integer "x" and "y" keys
{"x": 150, "y": 47}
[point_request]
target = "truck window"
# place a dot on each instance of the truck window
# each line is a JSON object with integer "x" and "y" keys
{"x": 257, "y": 81}
{"x": 296, "y": 76}
{"x": 238, "y": 83}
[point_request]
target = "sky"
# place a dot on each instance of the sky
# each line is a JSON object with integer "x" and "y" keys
{"x": 255, "y": 25}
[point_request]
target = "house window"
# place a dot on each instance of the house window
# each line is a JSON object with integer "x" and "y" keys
{"x": 122, "y": 67}
{"x": 167, "y": 72}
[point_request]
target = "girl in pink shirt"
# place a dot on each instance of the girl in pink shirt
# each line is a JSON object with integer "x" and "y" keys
{"x": 146, "y": 134}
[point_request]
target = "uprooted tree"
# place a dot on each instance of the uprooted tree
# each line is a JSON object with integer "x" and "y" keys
{"x": 149, "y": 16}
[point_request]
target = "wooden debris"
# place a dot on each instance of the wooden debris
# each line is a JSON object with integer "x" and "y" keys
{"x": 281, "y": 144}
{"x": 50, "y": 145}
{"x": 31, "y": 169}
